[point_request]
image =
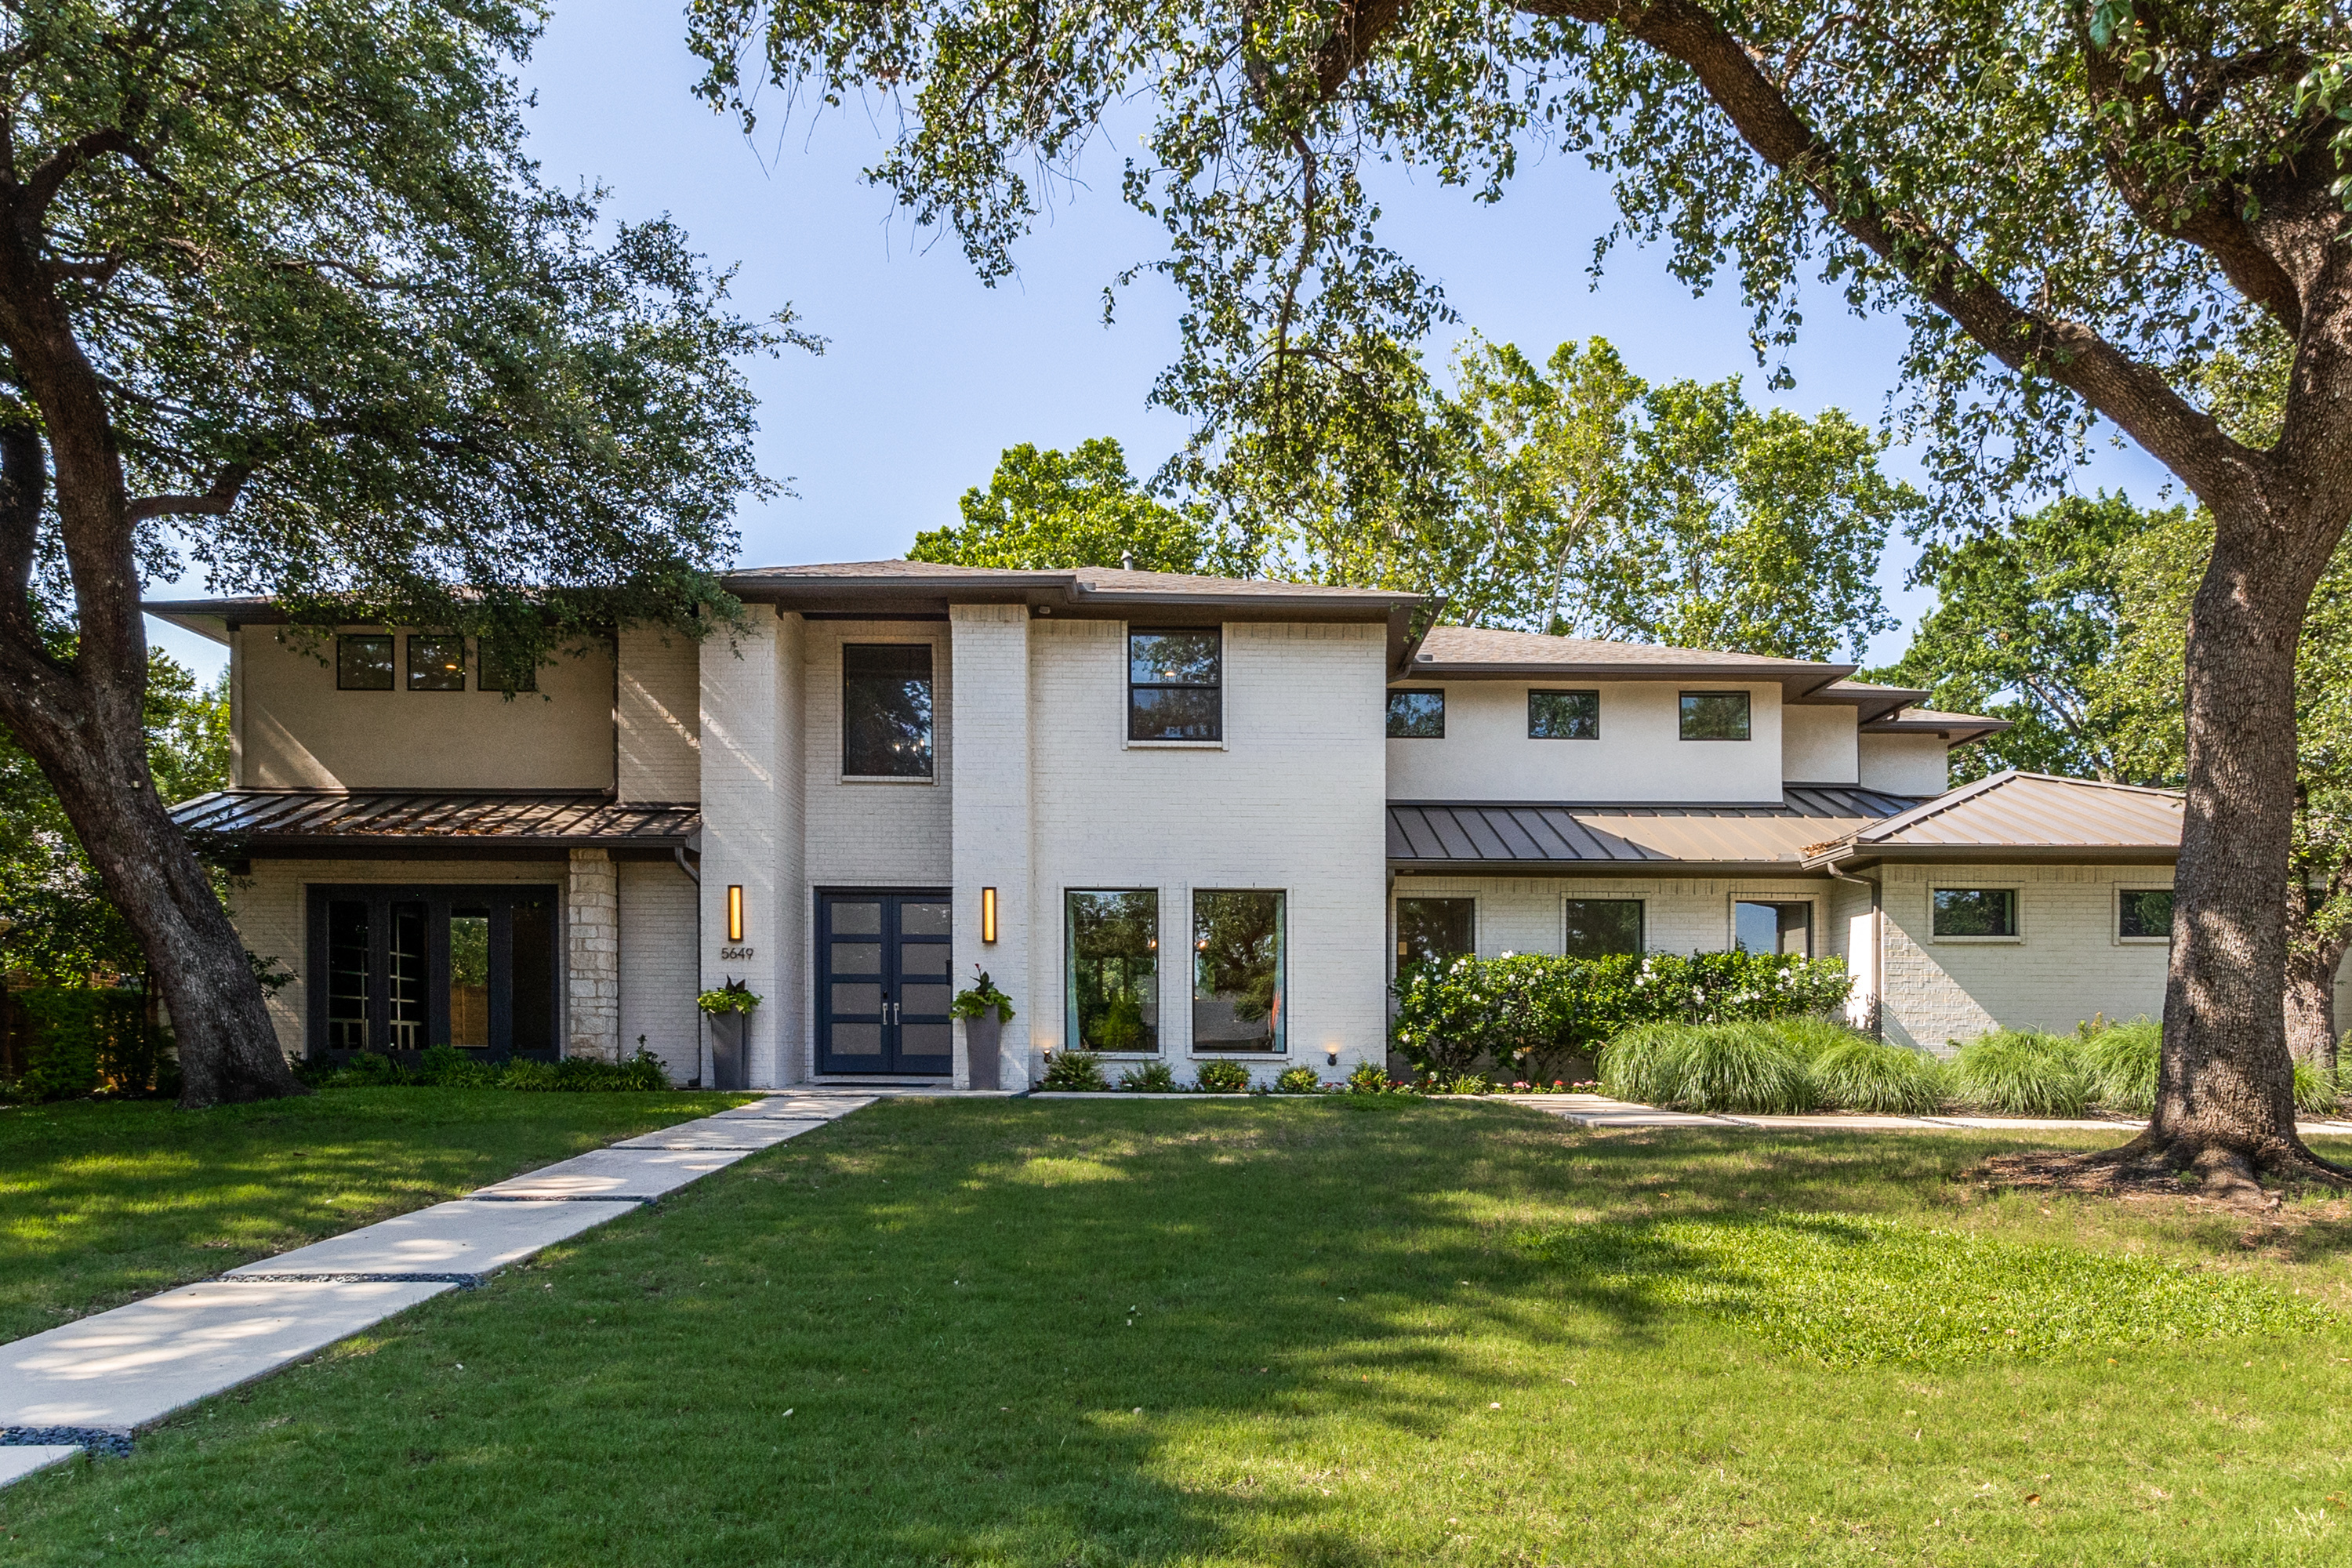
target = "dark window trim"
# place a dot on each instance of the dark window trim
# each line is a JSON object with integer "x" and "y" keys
{"x": 393, "y": 660}
{"x": 1436, "y": 692}
{"x": 1072, "y": 1035}
{"x": 2016, "y": 931}
{"x": 1749, "y": 698}
{"x": 1592, "y": 691}
{"x": 1133, "y": 686}
{"x": 1281, "y": 1047}
{"x": 2123, "y": 936}
{"x": 930, "y": 774}
{"x": 438, "y": 897}
{"x": 409, "y": 660}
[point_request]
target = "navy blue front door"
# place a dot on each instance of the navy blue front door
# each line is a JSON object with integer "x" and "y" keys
{"x": 883, "y": 985}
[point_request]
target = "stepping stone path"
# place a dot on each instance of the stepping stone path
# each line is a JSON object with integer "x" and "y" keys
{"x": 89, "y": 1385}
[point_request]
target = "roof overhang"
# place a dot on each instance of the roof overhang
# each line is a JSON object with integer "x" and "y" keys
{"x": 1845, "y": 856}
{"x": 214, "y": 619}
{"x": 1797, "y": 681}
{"x": 240, "y": 824}
{"x": 1959, "y": 729}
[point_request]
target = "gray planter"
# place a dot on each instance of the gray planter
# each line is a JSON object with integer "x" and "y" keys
{"x": 982, "y": 1049}
{"x": 729, "y": 1067}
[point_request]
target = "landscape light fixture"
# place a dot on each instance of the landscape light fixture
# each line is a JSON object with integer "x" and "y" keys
{"x": 735, "y": 912}
{"x": 988, "y": 914}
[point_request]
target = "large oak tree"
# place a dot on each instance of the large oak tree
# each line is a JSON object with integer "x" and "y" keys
{"x": 2073, "y": 203}
{"x": 280, "y": 294}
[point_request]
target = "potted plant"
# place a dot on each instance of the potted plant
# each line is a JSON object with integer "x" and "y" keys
{"x": 983, "y": 1009}
{"x": 730, "y": 1009}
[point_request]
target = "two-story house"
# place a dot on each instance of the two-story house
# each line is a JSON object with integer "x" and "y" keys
{"x": 1171, "y": 817}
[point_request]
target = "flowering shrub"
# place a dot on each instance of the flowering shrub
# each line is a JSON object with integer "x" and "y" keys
{"x": 1521, "y": 1012}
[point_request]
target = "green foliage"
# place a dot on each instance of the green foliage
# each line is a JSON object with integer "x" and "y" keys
{"x": 1298, "y": 1080}
{"x": 735, "y": 996}
{"x": 1520, "y": 1011}
{"x": 1148, "y": 1078}
{"x": 2123, "y": 1060}
{"x": 1811, "y": 1034}
{"x": 980, "y": 996}
{"x": 2315, "y": 1093}
{"x": 2023, "y": 1073}
{"x": 1370, "y": 1077}
{"x": 1863, "y": 1074}
{"x": 90, "y": 1039}
{"x": 1744, "y": 1067}
{"x": 447, "y": 1067}
{"x": 1049, "y": 509}
{"x": 1219, "y": 1077}
{"x": 1074, "y": 1070}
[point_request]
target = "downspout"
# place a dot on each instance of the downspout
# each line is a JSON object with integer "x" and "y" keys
{"x": 1878, "y": 950}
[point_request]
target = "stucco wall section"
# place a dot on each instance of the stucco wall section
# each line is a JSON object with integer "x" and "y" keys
{"x": 992, "y": 817}
{"x": 2066, "y": 966}
{"x": 1818, "y": 745}
{"x": 1679, "y": 914}
{"x": 268, "y": 907}
{"x": 657, "y": 716}
{"x": 865, "y": 833}
{"x": 659, "y": 966}
{"x": 1293, "y": 800}
{"x": 297, "y": 730}
{"x": 592, "y": 958}
{"x": 1905, "y": 764}
{"x": 1639, "y": 756}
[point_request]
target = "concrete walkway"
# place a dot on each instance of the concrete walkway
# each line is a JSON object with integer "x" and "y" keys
{"x": 1599, "y": 1111}
{"x": 91, "y": 1383}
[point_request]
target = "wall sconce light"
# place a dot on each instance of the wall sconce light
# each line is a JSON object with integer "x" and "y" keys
{"x": 988, "y": 914}
{"x": 1332, "y": 1055}
{"x": 735, "y": 912}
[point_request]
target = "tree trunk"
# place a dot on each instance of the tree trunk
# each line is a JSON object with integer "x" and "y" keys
{"x": 2225, "y": 1094}
{"x": 2311, "y": 969}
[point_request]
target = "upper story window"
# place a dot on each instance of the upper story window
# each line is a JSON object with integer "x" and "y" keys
{"x": 1564, "y": 715}
{"x": 1714, "y": 715}
{"x": 363, "y": 662}
{"x": 886, "y": 710}
{"x": 1416, "y": 715}
{"x": 1175, "y": 685}
{"x": 436, "y": 663}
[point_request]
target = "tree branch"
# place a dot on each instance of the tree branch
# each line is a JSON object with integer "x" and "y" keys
{"x": 24, "y": 492}
{"x": 41, "y": 186}
{"x": 213, "y": 502}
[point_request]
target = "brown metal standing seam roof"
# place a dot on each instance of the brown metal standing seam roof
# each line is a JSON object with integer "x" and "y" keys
{"x": 1433, "y": 834}
{"x": 260, "y": 818}
{"x": 2013, "y": 813}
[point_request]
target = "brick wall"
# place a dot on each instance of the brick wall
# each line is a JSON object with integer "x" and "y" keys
{"x": 744, "y": 834}
{"x": 865, "y": 833}
{"x": 1680, "y": 914}
{"x": 993, "y": 834}
{"x": 660, "y": 966}
{"x": 657, "y": 716}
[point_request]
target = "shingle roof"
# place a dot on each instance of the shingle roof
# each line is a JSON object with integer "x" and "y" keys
{"x": 1430, "y": 834}
{"x": 293, "y": 818}
{"x": 2013, "y": 816}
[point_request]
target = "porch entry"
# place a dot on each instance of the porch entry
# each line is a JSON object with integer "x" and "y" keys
{"x": 883, "y": 984}
{"x": 400, "y": 968}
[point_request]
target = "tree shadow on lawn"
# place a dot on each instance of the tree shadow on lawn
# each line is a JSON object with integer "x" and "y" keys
{"x": 1032, "y": 1333}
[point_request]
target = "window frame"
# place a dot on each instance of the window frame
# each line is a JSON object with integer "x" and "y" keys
{"x": 930, "y": 774}
{"x": 2116, "y": 929}
{"x": 1281, "y": 1009}
{"x": 409, "y": 672}
{"x": 1155, "y": 1021}
{"x": 1536, "y": 691}
{"x": 439, "y": 900}
{"x": 391, "y": 660}
{"x": 2016, "y": 912}
{"x": 1396, "y": 922}
{"x": 1397, "y": 691}
{"x": 1640, "y": 920}
{"x": 1748, "y": 714}
{"x": 1127, "y": 721}
{"x": 1814, "y": 930}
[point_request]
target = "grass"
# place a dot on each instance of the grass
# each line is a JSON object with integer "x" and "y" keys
{"x": 1339, "y": 1332}
{"x": 101, "y": 1203}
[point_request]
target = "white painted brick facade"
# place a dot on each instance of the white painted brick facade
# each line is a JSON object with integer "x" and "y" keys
{"x": 657, "y": 716}
{"x": 592, "y": 957}
{"x": 743, "y": 830}
{"x": 897, "y": 834}
{"x": 1679, "y": 914}
{"x": 993, "y": 833}
{"x": 660, "y": 967}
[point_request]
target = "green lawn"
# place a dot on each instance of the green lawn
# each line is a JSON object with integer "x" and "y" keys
{"x": 101, "y": 1203}
{"x": 1309, "y": 1332}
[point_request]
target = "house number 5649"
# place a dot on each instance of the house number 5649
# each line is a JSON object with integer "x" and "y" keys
{"x": 737, "y": 952}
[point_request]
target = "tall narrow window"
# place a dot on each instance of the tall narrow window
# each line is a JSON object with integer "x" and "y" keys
{"x": 405, "y": 979}
{"x": 531, "y": 978}
{"x": 470, "y": 979}
{"x": 1772, "y": 928}
{"x": 437, "y": 664}
{"x": 347, "y": 975}
{"x": 1434, "y": 930}
{"x": 363, "y": 663}
{"x": 1416, "y": 715}
{"x": 1598, "y": 928}
{"x": 1175, "y": 685}
{"x": 1974, "y": 911}
{"x": 1714, "y": 715}
{"x": 886, "y": 710}
{"x": 1114, "y": 971}
{"x": 1564, "y": 715}
{"x": 1237, "y": 971}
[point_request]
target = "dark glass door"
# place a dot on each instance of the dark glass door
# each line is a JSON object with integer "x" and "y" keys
{"x": 408, "y": 967}
{"x": 883, "y": 985}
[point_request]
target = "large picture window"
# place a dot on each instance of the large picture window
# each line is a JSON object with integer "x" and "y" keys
{"x": 886, "y": 710}
{"x": 1597, "y": 928}
{"x": 1175, "y": 685}
{"x": 1714, "y": 715}
{"x": 1772, "y": 928}
{"x": 1974, "y": 911}
{"x": 1113, "y": 944}
{"x": 1416, "y": 715}
{"x": 1237, "y": 971}
{"x": 402, "y": 968}
{"x": 1434, "y": 930}
{"x": 1564, "y": 715}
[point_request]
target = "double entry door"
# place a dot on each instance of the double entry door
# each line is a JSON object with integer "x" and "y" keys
{"x": 883, "y": 985}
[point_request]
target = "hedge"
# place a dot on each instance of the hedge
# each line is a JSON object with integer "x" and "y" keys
{"x": 88, "y": 1039}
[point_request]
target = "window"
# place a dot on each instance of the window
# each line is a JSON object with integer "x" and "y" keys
{"x": 2144, "y": 914}
{"x": 1974, "y": 911}
{"x": 1114, "y": 964}
{"x": 1772, "y": 928}
{"x": 1416, "y": 715}
{"x": 437, "y": 664}
{"x": 1564, "y": 715}
{"x": 505, "y": 667}
{"x": 1431, "y": 931}
{"x": 408, "y": 967}
{"x": 886, "y": 710}
{"x": 363, "y": 663}
{"x": 1175, "y": 686}
{"x": 1597, "y": 928}
{"x": 1236, "y": 971}
{"x": 1714, "y": 715}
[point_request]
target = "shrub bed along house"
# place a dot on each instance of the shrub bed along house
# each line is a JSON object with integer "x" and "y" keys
{"x": 447, "y": 1067}
{"x": 90, "y": 1039}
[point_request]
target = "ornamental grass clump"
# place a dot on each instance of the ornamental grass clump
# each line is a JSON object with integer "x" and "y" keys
{"x": 1811, "y": 1034}
{"x": 2315, "y": 1091}
{"x": 1706, "y": 1068}
{"x": 1862, "y": 1074}
{"x": 2123, "y": 1059}
{"x": 2019, "y": 1072}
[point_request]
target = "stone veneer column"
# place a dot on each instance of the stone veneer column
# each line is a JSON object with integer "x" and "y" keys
{"x": 990, "y": 810}
{"x": 592, "y": 958}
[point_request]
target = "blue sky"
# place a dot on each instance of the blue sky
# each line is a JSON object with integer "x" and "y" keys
{"x": 929, "y": 375}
